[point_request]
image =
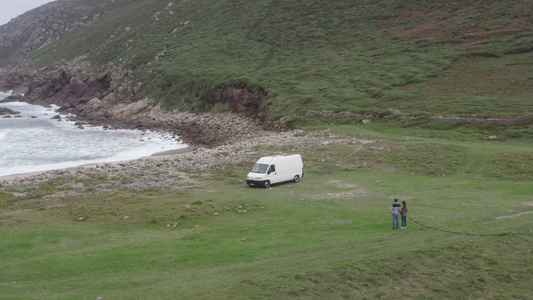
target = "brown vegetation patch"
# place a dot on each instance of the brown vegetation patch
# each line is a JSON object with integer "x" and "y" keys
{"x": 425, "y": 30}
{"x": 241, "y": 99}
{"x": 509, "y": 76}
{"x": 472, "y": 37}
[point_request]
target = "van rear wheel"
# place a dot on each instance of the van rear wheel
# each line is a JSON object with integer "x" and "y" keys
{"x": 296, "y": 178}
{"x": 266, "y": 184}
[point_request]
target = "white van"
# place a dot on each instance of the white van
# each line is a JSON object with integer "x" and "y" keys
{"x": 274, "y": 169}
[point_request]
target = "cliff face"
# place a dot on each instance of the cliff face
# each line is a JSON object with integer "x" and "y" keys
{"x": 104, "y": 99}
{"x": 66, "y": 84}
{"x": 73, "y": 84}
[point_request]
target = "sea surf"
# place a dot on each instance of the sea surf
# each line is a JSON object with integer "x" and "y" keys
{"x": 34, "y": 141}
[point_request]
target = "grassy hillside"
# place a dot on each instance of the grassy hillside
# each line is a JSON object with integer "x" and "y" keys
{"x": 327, "y": 237}
{"x": 413, "y": 57}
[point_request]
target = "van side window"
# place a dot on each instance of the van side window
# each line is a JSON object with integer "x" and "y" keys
{"x": 272, "y": 168}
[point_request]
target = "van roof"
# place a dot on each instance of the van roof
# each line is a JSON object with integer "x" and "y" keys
{"x": 268, "y": 159}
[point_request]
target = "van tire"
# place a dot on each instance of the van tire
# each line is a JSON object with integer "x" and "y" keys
{"x": 266, "y": 184}
{"x": 296, "y": 178}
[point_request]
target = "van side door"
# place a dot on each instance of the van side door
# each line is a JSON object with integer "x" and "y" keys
{"x": 271, "y": 174}
{"x": 272, "y": 169}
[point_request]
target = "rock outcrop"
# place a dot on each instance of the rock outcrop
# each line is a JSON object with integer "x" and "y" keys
{"x": 7, "y": 111}
{"x": 240, "y": 99}
{"x": 207, "y": 129}
{"x": 65, "y": 84}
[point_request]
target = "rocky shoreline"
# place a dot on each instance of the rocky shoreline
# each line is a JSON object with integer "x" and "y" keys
{"x": 169, "y": 170}
{"x": 202, "y": 130}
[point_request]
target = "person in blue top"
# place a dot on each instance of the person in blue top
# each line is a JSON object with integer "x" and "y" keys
{"x": 396, "y": 207}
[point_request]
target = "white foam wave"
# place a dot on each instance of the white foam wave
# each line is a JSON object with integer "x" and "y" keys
{"x": 35, "y": 142}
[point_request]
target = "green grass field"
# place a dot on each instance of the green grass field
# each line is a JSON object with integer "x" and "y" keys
{"x": 327, "y": 237}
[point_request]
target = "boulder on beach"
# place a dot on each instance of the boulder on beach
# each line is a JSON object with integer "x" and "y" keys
{"x": 7, "y": 111}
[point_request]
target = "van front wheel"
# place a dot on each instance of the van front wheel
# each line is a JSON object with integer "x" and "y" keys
{"x": 297, "y": 178}
{"x": 266, "y": 184}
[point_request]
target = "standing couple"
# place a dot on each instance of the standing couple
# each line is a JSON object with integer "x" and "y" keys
{"x": 397, "y": 210}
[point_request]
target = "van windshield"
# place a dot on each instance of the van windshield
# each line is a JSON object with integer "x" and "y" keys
{"x": 260, "y": 168}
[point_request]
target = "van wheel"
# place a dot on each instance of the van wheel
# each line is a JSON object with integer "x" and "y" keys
{"x": 266, "y": 184}
{"x": 297, "y": 178}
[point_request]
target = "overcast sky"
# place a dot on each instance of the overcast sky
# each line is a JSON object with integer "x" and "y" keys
{"x": 10, "y": 9}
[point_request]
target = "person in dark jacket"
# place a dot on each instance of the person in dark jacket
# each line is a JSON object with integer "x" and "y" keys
{"x": 395, "y": 208}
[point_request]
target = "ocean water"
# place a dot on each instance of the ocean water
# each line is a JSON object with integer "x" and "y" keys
{"x": 36, "y": 142}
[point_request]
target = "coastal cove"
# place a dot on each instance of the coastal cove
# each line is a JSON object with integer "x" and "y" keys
{"x": 35, "y": 139}
{"x": 199, "y": 141}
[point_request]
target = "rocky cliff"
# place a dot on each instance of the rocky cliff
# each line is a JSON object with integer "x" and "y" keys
{"x": 40, "y": 27}
{"x": 105, "y": 99}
